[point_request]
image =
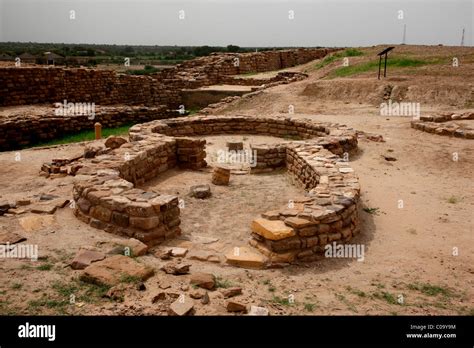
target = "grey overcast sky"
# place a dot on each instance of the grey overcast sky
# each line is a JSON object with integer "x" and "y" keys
{"x": 238, "y": 22}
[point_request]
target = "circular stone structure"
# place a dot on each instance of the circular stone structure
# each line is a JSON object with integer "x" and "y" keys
{"x": 107, "y": 198}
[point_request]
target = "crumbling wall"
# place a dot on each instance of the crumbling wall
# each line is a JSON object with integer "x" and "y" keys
{"x": 33, "y": 85}
{"x": 21, "y": 131}
{"x": 107, "y": 197}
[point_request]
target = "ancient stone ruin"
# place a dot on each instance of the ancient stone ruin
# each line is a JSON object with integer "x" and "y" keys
{"x": 147, "y": 97}
{"x": 107, "y": 198}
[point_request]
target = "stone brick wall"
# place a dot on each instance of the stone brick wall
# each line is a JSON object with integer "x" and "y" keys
{"x": 107, "y": 197}
{"x": 275, "y": 60}
{"x": 32, "y": 85}
{"x": 269, "y": 157}
{"x": 445, "y": 124}
{"x": 21, "y": 131}
{"x": 328, "y": 214}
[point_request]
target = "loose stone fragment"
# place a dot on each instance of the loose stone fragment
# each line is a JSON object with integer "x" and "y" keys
{"x": 182, "y": 306}
{"x": 220, "y": 176}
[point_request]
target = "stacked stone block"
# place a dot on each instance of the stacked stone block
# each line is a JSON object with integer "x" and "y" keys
{"x": 107, "y": 197}
{"x": 20, "y": 131}
{"x": 32, "y": 85}
{"x": 191, "y": 153}
{"x": 328, "y": 214}
{"x": 269, "y": 157}
{"x": 436, "y": 124}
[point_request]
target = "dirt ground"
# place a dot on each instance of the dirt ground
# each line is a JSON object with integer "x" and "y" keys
{"x": 417, "y": 226}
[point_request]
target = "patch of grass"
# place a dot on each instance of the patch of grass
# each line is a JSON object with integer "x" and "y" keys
{"x": 271, "y": 288}
{"x": 83, "y": 292}
{"x": 65, "y": 290}
{"x": 223, "y": 283}
{"x": 388, "y": 297}
{"x": 357, "y": 292}
{"x": 378, "y": 285}
{"x": 309, "y": 307}
{"x": 17, "y": 286}
{"x": 344, "y": 300}
{"x": 95, "y": 291}
{"x": 350, "y": 52}
{"x": 373, "y": 211}
{"x": 86, "y": 135}
{"x": 38, "y": 305}
{"x": 193, "y": 110}
{"x": 292, "y": 137}
{"x": 148, "y": 69}
{"x": 282, "y": 301}
{"x": 431, "y": 290}
{"x": 392, "y": 62}
{"x": 353, "y": 52}
{"x": 45, "y": 267}
{"x": 125, "y": 278}
{"x": 453, "y": 200}
{"x": 250, "y": 74}
{"x": 26, "y": 267}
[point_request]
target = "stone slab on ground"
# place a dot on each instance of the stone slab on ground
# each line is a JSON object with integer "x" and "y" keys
{"x": 85, "y": 258}
{"x": 137, "y": 248}
{"x": 231, "y": 292}
{"x": 245, "y": 257}
{"x": 203, "y": 280}
{"x": 10, "y": 238}
{"x": 233, "y": 306}
{"x": 255, "y": 310}
{"x": 177, "y": 251}
{"x": 204, "y": 255}
{"x": 36, "y": 222}
{"x": 272, "y": 229}
{"x": 176, "y": 268}
{"x": 114, "y": 269}
{"x": 182, "y": 306}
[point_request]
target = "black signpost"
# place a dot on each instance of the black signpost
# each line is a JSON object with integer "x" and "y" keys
{"x": 380, "y": 54}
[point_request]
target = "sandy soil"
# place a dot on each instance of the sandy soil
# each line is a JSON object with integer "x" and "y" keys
{"x": 409, "y": 248}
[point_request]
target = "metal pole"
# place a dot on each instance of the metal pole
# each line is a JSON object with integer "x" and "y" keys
{"x": 380, "y": 63}
{"x": 385, "y": 68}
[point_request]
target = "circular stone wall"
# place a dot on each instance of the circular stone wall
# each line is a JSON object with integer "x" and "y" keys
{"x": 106, "y": 196}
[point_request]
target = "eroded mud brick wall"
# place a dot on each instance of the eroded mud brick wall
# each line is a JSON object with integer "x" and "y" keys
{"x": 33, "y": 85}
{"x": 18, "y": 132}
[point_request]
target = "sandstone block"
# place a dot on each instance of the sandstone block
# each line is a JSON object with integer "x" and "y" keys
{"x": 245, "y": 258}
{"x": 273, "y": 230}
{"x": 114, "y": 269}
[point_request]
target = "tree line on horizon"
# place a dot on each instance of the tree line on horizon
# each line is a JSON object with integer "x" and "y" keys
{"x": 111, "y": 53}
